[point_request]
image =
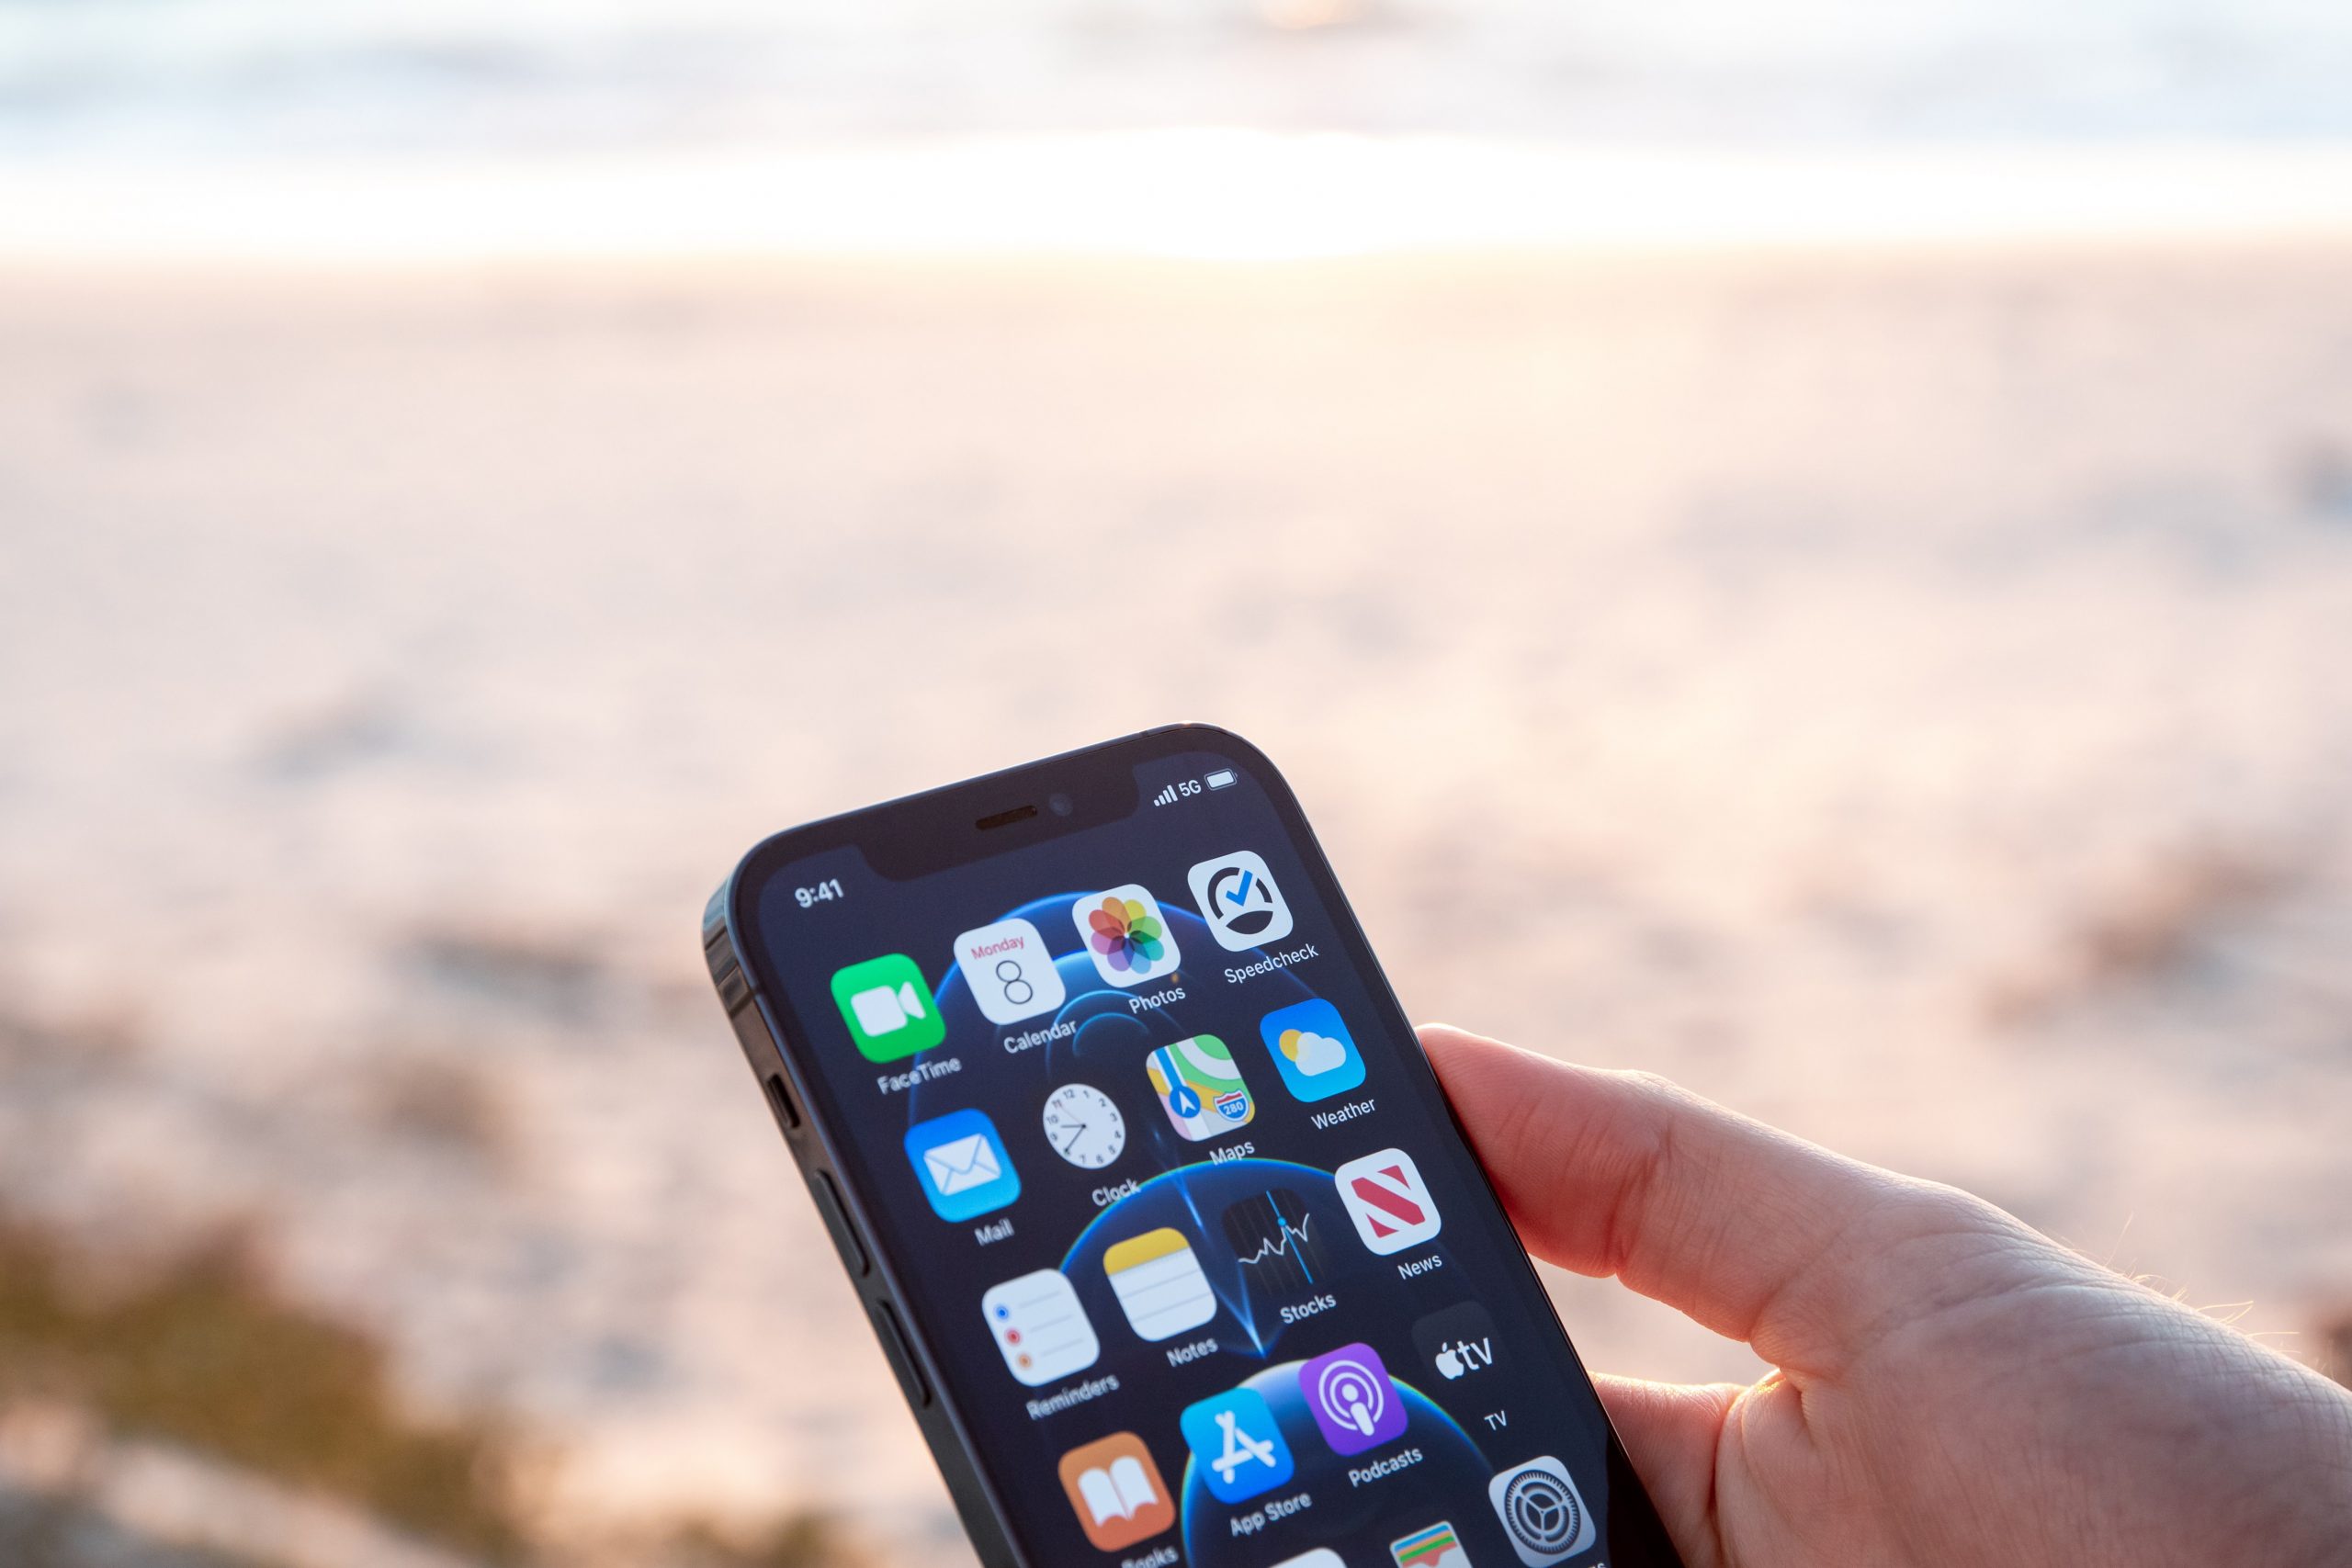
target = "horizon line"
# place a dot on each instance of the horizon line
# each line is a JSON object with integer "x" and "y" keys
{"x": 1199, "y": 194}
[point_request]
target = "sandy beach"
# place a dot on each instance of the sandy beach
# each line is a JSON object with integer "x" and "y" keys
{"x": 1901, "y": 694}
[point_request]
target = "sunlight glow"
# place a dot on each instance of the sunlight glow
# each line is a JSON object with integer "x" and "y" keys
{"x": 1214, "y": 194}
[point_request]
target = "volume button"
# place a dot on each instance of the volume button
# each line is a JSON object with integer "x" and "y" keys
{"x": 787, "y": 1115}
{"x": 733, "y": 988}
{"x": 751, "y": 1030}
{"x": 902, "y": 1359}
{"x": 844, "y": 1234}
{"x": 727, "y": 973}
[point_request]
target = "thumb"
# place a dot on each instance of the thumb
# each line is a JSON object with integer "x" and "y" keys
{"x": 1671, "y": 1432}
{"x": 1758, "y": 1235}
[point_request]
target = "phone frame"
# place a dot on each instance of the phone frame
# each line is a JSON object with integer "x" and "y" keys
{"x": 914, "y": 836}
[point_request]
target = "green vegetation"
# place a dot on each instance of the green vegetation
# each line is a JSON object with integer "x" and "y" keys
{"x": 204, "y": 1353}
{"x": 800, "y": 1540}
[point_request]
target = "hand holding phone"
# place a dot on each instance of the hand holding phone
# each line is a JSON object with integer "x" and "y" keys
{"x": 1151, "y": 1195}
{"x": 1933, "y": 1356}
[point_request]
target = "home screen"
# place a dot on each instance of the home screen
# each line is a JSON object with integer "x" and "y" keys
{"x": 1170, "y": 1192}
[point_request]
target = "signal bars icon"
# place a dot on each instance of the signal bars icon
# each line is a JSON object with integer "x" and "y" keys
{"x": 1164, "y": 797}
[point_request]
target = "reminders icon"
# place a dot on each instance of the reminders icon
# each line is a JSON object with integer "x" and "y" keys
{"x": 1040, "y": 1326}
{"x": 1159, "y": 1283}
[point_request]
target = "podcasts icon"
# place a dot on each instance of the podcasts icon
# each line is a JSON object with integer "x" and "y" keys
{"x": 1353, "y": 1402}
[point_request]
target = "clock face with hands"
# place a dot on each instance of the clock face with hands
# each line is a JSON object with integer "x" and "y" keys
{"x": 1083, "y": 1126}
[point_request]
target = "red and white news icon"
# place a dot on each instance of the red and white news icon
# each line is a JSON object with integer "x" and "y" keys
{"x": 1388, "y": 1201}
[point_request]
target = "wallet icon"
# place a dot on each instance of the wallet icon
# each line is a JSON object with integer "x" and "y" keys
{"x": 962, "y": 1164}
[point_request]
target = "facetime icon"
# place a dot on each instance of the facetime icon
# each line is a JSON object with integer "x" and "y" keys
{"x": 887, "y": 1008}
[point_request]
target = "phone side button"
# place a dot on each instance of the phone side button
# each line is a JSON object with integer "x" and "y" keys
{"x": 750, "y": 1022}
{"x": 787, "y": 1115}
{"x": 726, "y": 974}
{"x": 902, "y": 1359}
{"x": 845, "y": 1237}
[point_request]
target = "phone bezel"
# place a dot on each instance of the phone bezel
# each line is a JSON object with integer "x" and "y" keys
{"x": 913, "y": 836}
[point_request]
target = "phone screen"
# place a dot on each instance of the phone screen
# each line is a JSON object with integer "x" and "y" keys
{"x": 1169, "y": 1194}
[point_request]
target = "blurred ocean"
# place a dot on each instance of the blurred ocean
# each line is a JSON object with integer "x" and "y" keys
{"x": 241, "y": 78}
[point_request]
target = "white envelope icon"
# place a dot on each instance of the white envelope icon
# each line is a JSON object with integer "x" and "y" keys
{"x": 961, "y": 1163}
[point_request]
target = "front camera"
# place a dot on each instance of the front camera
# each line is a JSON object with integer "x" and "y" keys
{"x": 1061, "y": 805}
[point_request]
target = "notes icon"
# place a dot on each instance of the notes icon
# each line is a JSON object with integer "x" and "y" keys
{"x": 1159, "y": 1281}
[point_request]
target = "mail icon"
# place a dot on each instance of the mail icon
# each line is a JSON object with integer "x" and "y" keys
{"x": 963, "y": 1165}
{"x": 966, "y": 1162}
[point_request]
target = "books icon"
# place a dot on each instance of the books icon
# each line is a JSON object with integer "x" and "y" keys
{"x": 1116, "y": 1491}
{"x": 1158, "y": 1278}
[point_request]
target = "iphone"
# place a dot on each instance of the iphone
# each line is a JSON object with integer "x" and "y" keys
{"x": 1147, "y": 1187}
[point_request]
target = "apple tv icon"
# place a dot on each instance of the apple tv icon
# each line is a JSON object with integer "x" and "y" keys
{"x": 1458, "y": 1343}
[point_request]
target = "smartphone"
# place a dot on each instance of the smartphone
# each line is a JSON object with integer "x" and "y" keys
{"x": 1150, "y": 1195}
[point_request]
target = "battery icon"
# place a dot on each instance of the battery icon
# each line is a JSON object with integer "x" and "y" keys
{"x": 1220, "y": 778}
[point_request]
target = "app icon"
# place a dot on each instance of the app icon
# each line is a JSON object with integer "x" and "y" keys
{"x": 1348, "y": 1394}
{"x": 1240, "y": 902}
{"x": 1200, "y": 1087}
{"x": 1458, "y": 1342}
{"x": 1125, "y": 935}
{"x": 1084, "y": 1126}
{"x": 887, "y": 1008}
{"x": 1237, "y": 1445}
{"x": 1387, "y": 1200}
{"x": 1158, "y": 1280}
{"x": 1546, "y": 1520}
{"x": 1269, "y": 1236}
{"x": 963, "y": 1168}
{"x": 1010, "y": 975}
{"x": 1040, "y": 1326}
{"x": 1117, "y": 1491}
{"x": 1312, "y": 1049}
{"x": 1435, "y": 1547}
{"x": 1321, "y": 1557}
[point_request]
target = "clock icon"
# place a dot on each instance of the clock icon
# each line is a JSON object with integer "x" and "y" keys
{"x": 1083, "y": 1126}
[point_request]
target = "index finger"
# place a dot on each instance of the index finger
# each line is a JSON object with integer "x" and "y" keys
{"x": 1759, "y": 1235}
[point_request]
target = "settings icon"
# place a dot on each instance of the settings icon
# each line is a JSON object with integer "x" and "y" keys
{"x": 1542, "y": 1512}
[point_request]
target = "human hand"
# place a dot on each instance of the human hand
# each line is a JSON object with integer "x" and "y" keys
{"x": 1950, "y": 1387}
